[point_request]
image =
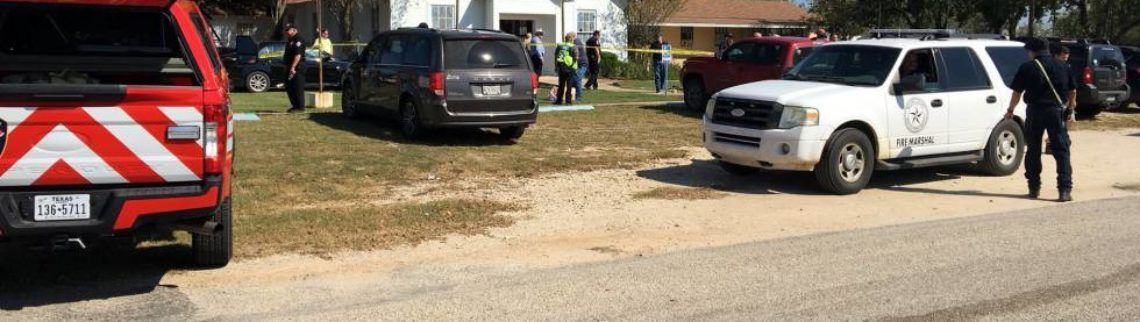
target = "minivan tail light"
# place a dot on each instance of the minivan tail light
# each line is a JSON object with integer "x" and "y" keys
{"x": 534, "y": 83}
{"x": 1088, "y": 76}
{"x": 435, "y": 83}
{"x": 214, "y": 141}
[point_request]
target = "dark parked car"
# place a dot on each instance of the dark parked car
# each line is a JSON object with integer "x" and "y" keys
{"x": 1132, "y": 63}
{"x": 258, "y": 68}
{"x": 432, "y": 78}
{"x": 1100, "y": 72}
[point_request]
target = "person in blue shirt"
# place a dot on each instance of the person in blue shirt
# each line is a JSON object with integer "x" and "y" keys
{"x": 537, "y": 51}
{"x": 583, "y": 66}
{"x": 1050, "y": 95}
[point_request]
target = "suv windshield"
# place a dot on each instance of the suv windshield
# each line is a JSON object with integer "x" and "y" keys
{"x": 853, "y": 65}
{"x": 483, "y": 53}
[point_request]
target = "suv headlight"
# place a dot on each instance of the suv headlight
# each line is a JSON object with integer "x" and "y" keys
{"x": 798, "y": 116}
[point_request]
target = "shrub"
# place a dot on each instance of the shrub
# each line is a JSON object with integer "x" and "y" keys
{"x": 613, "y": 67}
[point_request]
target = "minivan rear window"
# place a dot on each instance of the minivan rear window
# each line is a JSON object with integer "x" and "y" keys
{"x": 483, "y": 54}
{"x": 1008, "y": 60}
{"x": 1107, "y": 56}
{"x": 76, "y": 45}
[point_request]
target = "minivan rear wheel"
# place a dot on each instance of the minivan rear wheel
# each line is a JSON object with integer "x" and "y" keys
{"x": 512, "y": 132}
{"x": 411, "y": 125}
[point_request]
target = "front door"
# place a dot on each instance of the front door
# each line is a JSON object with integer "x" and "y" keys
{"x": 971, "y": 101}
{"x": 516, "y": 27}
{"x": 916, "y": 114}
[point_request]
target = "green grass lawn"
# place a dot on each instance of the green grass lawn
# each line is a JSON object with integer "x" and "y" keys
{"x": 319, "y": 183}
{"x": 277, "y": 101}
{"x": 268, "y": 102}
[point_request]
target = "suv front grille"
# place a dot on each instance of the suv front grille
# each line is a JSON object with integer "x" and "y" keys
{"x": 758, "y": 115}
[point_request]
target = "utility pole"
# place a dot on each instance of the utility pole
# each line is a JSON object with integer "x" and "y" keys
{"x": 457, "y": 15}
{"x": 562, "y": 7}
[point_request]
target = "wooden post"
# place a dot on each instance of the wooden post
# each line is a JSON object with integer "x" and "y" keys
{"x": 320, "y": 99}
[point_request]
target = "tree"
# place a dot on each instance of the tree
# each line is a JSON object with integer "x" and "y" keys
{"x": 342, "y": 11}
{"x": 643, "y": 18}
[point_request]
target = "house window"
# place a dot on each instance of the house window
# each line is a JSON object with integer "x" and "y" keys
{"x": 686, "y": 37}
{"x": 587, "y": 21}
{"x": 443, "y": 16}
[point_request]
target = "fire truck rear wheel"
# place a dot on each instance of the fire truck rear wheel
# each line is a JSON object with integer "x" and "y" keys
{"x": 215, "y": 250}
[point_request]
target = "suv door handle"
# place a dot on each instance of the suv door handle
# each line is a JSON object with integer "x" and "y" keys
{"x": 992, "y": 99}
{"x": 936, "y": 103}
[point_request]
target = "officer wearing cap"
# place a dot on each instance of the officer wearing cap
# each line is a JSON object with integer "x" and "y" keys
{"x": 1050, "y": 95}
{"x": 293, "y": 58}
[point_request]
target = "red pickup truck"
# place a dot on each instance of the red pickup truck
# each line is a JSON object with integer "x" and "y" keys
{"x": 114, "y": 121}
{"x": 746, "y": 61}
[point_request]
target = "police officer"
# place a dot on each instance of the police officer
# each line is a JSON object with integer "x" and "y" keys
{"x": 1050, "y": 96}
{"x": 293, "y": 58}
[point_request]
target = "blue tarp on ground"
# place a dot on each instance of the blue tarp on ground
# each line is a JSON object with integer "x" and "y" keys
{"x": 246, "y": 117}
{"x": 558, "y": 108}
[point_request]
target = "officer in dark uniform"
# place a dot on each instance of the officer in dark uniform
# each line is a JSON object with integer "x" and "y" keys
{"x": 1050, "y": 95}
{"x": 293, "y": 58}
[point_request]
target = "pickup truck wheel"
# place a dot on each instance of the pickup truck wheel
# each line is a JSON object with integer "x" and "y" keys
{"x": 1004, "y": 150}
{"x": 411, "y": 125}
{"x": 736, "y": 169}
{"x": 257, "y": 82}
{"x": 847, "y": 164}
{"x": 348, "y": 103}
{"x": 215, "y": 250}
{"x": 512, "y": 132}
{"x": 1088, "y": 111}
{"x": 695, "y": 96}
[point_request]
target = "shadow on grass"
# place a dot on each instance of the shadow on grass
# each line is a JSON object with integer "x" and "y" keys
{"x": 707, "y": 173}
{"x": 388, "y": 130}
{"x": 36, "y": 278}
{"x": 674, "y": 108}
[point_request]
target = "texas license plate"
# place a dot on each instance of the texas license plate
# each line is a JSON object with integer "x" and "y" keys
{"x": 492, "y": 90}
{"x": 62, "y": 207}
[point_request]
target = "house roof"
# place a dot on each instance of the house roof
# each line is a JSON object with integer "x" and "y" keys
{"x": 738, "y": 14}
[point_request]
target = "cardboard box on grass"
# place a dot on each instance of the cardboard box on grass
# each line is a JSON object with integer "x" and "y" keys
{"x": 319, "y": 99}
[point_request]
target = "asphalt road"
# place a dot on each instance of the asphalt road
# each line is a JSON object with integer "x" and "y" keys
{"x": 1078, "y": 261}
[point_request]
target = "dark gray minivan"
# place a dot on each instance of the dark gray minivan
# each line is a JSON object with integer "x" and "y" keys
{"x": 431, "y": 78}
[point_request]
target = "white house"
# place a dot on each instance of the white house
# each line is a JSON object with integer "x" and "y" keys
{"x": 553, "y": 17}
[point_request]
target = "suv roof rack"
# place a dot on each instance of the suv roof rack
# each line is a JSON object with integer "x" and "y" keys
{"x": 928, "y": 34}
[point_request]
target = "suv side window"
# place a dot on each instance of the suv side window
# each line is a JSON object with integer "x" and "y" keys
{"x": 768, "y": 54}
{"x": 921, "y": 63}
{"x": 375, "y": 49}
{"x": 740, "y": 53}
{"x": 418, "y": 51}
{"x": 393, "y": 51}
{"x": 968, "y": 72}
{"x": 1008, "y": 60}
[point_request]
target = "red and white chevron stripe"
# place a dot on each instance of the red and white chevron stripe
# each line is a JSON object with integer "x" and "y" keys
{"x": 98, "y": 145}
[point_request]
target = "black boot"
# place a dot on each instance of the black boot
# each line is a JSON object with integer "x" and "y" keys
{"x": 1034, "y": 192}
{"x": 1065, "y": 196}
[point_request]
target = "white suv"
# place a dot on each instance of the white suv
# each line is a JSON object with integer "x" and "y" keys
{"x": 855, "y": 107}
